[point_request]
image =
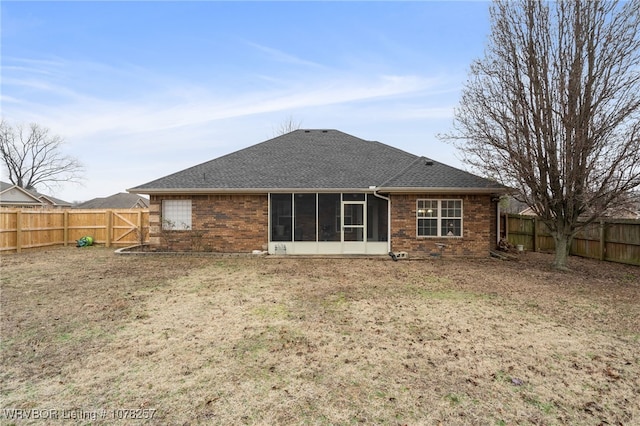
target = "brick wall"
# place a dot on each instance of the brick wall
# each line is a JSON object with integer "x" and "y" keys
{"x": 220, "y": 223}
{"x": 478, "y": 227}
{"x": 239, "y": 224}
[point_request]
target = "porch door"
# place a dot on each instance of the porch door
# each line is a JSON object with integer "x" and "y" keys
{"x": 353, "y": 226}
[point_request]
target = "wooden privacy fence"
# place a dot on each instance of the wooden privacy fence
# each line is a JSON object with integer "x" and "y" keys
{"x": 31, "y": 228}
{"x": 615, "y": 240}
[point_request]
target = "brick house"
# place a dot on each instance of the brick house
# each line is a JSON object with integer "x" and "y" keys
{"x": 323, "y": 192}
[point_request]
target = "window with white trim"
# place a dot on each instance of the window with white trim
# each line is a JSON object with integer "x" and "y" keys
{"x": 176, "y": 214}
{"x": 439, "y": 218}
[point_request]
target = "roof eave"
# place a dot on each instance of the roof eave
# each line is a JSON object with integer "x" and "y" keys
{"x": 405, "y": 190}
{"x": 441, "y": 190}
{"x": 21, "y": 203}
{"x": 182, "y": 191}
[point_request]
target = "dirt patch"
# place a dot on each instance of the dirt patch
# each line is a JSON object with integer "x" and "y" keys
{"x": 190, "y": 340}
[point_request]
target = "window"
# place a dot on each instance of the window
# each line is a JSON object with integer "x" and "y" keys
{"x": 439, "y": 218}
{"x": 427, "y": 218}
{"x": 176, "y": 214}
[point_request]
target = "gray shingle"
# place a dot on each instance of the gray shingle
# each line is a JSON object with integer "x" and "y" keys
{"x": 427, "y": 173}
{"x": 314, "y": 159}
{"x": 120, "y": 200}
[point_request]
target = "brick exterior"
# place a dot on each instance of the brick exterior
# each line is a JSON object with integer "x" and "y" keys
{"x": 239, "y": 224}
{"x": 478, "y": 227}
{"x": 234, "y": 223}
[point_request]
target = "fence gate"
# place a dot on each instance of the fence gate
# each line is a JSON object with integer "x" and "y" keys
{"x": 123, "y": 226}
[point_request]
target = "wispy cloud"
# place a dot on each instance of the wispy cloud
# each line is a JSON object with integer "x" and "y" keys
{"x": 163, "y": 104}
{"x": 283, "y": 57}
{"x": 173, "y": 123}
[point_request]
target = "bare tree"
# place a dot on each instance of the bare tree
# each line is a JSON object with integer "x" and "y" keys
{"x": 553, "y": 109}
{"x": 32, "y": 157}
{"x": 287, "y": 126}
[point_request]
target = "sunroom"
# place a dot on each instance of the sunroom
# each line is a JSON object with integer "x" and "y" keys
{"x": 328, "y": 223}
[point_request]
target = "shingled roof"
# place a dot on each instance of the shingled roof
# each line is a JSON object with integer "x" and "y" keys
{"x": 120, "y": 200}
{"x": 317, "y": 160}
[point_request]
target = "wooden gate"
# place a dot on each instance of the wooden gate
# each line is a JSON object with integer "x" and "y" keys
{"x": 123, "y": 229}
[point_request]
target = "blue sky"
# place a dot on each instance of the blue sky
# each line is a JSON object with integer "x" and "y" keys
{"x": 139, "y": 90}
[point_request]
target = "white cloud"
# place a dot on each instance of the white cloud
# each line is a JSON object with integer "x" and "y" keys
{"x": 167, "y": 106}
{"x": 163, "y": 123}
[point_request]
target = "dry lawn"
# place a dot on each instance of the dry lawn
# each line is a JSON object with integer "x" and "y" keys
{"x": 222, "y": 340}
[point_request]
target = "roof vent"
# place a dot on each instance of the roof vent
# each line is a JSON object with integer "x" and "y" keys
{"x": 428, "y": 163}
{"x": 324, "y": 131}
{"x": 307, "y": 131}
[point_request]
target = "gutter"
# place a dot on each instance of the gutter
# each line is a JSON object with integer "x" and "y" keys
{"x": 442, "y": 190}
{"x": 158, "y": 191}
{"x": 398, "y": 190}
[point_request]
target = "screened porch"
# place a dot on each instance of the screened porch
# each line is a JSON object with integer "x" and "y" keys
{"x": 328, "y": 223}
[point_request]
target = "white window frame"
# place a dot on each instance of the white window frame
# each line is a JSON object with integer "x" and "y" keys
{"x": 176, "y": 215}
{"x": 421, "y": 214}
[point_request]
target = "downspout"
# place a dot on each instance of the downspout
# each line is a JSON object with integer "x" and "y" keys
{"x": 388, "y": 199}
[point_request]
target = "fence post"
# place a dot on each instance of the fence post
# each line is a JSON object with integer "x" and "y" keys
{"x": 506, "y": 226}
{"x": 535, "y": 233}
{"x": 602, "y": 239}
{"x": 109, "y": 218}
{"x": 18, "y": 231}
{"x": 65, "y": 228}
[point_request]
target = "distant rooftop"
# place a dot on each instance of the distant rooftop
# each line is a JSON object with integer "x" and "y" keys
{"x": 120, "y": 200}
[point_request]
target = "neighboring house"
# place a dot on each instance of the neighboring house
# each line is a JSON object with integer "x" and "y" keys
{"x": 16, "y": 197}
{"x": 324, "y": 192}
{"x": 527, "y": 211}
{"x": 120, "y": 200}
{"x": 623, "y": 213}
{"x": 508, "y": 204}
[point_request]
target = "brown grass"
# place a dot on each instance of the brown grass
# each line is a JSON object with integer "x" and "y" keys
{"x": 210, "y": 340}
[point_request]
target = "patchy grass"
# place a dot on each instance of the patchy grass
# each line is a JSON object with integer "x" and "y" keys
{"x": 206, "y": 340}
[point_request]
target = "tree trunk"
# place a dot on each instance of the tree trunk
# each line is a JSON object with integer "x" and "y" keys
{"x": 563, "y": 245}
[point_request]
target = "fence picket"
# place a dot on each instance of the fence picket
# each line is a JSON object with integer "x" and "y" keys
{"x": 614, "y": 240}
{"x": 31, "y": 228}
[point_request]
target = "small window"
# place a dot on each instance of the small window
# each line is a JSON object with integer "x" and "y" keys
{"x": 439, "y": 218}
{"x": 176, "y": 214}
